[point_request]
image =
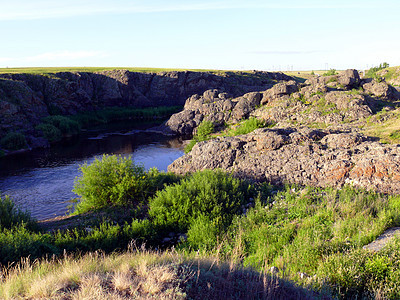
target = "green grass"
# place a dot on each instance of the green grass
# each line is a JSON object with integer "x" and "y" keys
{"x": 298, "y": 230}
{"x": 52, "y": 70}
{"x": 206, "y": 129}
{"x": 246, "y": 127}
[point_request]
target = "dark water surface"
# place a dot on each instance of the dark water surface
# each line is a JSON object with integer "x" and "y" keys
{"x": 41, "y": 181}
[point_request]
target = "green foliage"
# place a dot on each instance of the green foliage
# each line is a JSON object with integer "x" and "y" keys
{"x": 117, "y": 181}
{"x": 321, "y": 231}
{"x": 205, "y": 194}
{"x": 203, "y": 233}
{"x": 372, "y": 72}
{"x": 330, "y": 72}
{"x": 361, "y": 274}
{"x": 113, "y": 180}
{"x": 247, "y": 126}
{"x": 11, "y": 216}
{"x": 114, "y": 114}
{"x": 54, "y": 128}
{"x": 20, "y": 241}
{"x": 312, "y": 72}
{"x": 395, "y": 135}
{"x": 50, "y": 132}
{"x": 206, "y": 128}
{"x": 318, "y": 231}
{"x": 204, "y": 131}
{"x": 64, "y": 124}
{"x": 13, "y": 141}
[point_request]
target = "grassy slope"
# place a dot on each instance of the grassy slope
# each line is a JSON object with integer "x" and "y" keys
{"x": 143, "y": 274}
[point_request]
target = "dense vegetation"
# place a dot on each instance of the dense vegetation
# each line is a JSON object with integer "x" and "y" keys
{"x": 312, "y": 236}
{"x": 55, "y": 127}
{"x": 372, "y": 71}
{"x": 206, "y": 128}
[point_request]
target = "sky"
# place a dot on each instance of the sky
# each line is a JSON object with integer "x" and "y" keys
{"x": 189, "y": 34}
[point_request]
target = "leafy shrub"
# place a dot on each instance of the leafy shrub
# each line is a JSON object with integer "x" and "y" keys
{"x": 203, "y": 233}
{"x": 113, "y": 180}
{"x": 213, "y": 194}
{"x": 50, "y": 132}
{"x": 10, "y": 215}
{"x": 205, "y": 129}
{"x": 372, "y": 72}
{"x": 330, "y": 72}
{"x": 117, "y": 181}
{"x": 19, "y": 241}
{"x": 13, "y": 141}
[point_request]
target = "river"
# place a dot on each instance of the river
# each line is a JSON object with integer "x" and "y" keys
{"x": 41, "y": 181}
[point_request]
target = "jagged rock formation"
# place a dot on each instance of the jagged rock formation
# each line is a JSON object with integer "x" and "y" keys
{"x": 213, "y": 106}
{"x": 304, "y": 156}
{"x": 292, "y": 151}
{"x": 337, "y": 101}
{"x": 26, "y": 98}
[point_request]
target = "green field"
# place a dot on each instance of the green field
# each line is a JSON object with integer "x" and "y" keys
{"x": 40, "y": 70}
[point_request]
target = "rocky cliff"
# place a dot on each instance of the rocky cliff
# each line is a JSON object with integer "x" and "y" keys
{"x": 317, "y": 138}
{"x": 26, "y": 98}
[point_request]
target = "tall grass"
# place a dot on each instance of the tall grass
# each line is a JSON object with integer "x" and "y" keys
{"x": 143, "y": 275}
{"x": 313, "y": 236}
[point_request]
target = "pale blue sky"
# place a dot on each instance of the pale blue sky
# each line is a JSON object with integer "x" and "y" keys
{"x": 246, "y": 34}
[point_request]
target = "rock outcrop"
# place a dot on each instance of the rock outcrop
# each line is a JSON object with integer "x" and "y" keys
{"x": 26, "y": 98}
{"x": 338, "y": 102}
{"x": 214, "y": 106}
{"x": 303, "y": 156}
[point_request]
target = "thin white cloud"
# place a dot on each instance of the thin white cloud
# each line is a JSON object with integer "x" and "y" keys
{"x": 65, "y": 55}
{"x": 285, "y": 52}
{"x": 54, "y": 56}
{"x": 44, "y": 9}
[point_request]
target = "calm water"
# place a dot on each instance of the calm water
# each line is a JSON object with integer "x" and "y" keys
{"x": 41, "y": 181}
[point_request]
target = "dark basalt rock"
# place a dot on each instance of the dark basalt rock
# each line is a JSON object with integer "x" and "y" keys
{"x": 304, "y": 156}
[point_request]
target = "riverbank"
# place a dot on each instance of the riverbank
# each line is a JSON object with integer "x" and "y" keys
{"x": 310, "y": 238}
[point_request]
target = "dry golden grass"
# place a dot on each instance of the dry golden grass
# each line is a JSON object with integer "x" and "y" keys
{"x": 385, "y": 129}
{"x": 142, "y": 274}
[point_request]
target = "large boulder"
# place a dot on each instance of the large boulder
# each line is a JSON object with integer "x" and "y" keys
{"x": 279, "y": 90}
{"x": 380, "y": 89}
{"x": 349, "y": 78}
{"x": 303, "y": 156}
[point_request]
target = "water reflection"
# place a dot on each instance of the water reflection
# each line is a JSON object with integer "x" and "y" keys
{"x": 41, "y": 181}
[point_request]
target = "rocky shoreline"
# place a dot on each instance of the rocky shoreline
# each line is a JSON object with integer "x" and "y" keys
{"x": 25, "y": 99}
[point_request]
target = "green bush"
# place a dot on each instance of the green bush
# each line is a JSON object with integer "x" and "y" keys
{"x": 13, "y": 141}
{"x": 212, "y": 194}
{"x": 204, "y": 130}
{"x": 330, "y": 72}
{"x": 203, "y": 233}
{"x": 372, "y": 72}
{"x": 50, "y": 132}
{"x": 10, "y": 215}
{"x": 117, "y": 181}
{"x": 113, "y": 180}
{"x": 247, "y": 126}
{"x": 20, "y": 241}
